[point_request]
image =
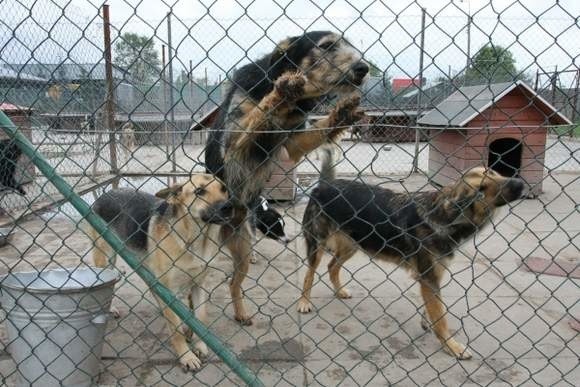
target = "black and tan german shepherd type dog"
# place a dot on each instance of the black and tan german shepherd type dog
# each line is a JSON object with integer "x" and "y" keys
{"x": 419, "y": 231}
{"x": 263, "y": 117}
{"x": 177, "y": 234}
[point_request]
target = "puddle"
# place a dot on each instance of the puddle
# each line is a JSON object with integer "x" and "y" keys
{"x": 284, "y": 350}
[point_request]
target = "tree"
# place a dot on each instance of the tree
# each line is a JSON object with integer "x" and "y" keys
{"x": 492, "y": 64}
{"x": 136, "y": 54}
{"x": 374, "y": 70}
{"x": 377, "y": 91}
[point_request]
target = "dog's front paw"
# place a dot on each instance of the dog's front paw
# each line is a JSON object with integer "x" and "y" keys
{"x": 346, "y": 112}
{"x": 304, "y": 306}
{"x": 190, "y": 362}
{"x": 244, "y": 320}
{"x": 290, "y": 86}
{"x": 115, "y": 312}
{"x": 457, "y": 349}
{"x": 200, "y": 349}
{"x": 343, "y": 293}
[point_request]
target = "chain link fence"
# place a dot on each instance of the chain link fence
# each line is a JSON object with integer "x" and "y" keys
{"x": 136, "y": 97}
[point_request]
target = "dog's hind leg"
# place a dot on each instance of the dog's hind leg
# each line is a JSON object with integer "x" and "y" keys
{"x": 237, "y": 239}
{"x": 343, "y": 253}
{"x": 436, "y": 312}
{"x": 254, "y": 239}
{"x": 315, "y": 253}
{"x": 102, "y": 252}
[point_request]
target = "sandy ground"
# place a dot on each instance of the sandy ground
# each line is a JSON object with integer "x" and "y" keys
{"x": 515, "y": 322}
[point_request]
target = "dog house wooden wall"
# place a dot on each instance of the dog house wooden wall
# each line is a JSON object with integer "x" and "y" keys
{"x": 503, "y": 126}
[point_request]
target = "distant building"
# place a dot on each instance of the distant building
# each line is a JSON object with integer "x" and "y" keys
{"x": 405, "y": 84}
{"x": 67, "y": 87}
{"x": 20, "y": 88}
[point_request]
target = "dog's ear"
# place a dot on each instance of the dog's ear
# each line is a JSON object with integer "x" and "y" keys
{"x": 170, "y": 192}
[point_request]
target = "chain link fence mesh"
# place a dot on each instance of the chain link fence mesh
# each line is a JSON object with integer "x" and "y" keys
{"x": 473, "y": 83}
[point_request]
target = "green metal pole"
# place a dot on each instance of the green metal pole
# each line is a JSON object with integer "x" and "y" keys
{"x": 94, "y": 220}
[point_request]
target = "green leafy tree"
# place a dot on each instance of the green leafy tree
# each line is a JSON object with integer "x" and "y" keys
{"x": 377, "y": 91}
{"x": 374, "y": 70}
{"x": 492, "y": 63}
{"x": 137, "y": 55}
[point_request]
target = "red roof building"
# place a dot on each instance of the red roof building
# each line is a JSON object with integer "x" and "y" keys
{"x": 399, "y": 84}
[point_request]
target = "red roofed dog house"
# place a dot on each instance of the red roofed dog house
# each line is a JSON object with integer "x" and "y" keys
{"x": 502, "y": 125}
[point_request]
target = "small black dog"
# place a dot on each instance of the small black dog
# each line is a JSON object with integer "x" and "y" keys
{"x": 9, "y": 155}
{"x": 270, "y": 223}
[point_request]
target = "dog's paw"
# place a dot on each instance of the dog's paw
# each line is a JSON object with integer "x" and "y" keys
{"x": 244, "y": 320}
{"x": 190, "y": 362}
{"x": 343, "y": 293}
{"x": 200, "y": 349}
{"x": 305, "y": 306}
{"x": 346, "y": 112}
{"x": 290, "y": 86}
{"x": 457, "y": 349}
{"x": 115, "y": 312}
{"x": 253, "y": 258}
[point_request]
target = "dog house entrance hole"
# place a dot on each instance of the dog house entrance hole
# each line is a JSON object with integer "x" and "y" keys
{"x": 505, "y": 156}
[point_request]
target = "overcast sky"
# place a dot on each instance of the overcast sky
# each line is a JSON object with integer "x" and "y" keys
{"x": 218, "y": 35}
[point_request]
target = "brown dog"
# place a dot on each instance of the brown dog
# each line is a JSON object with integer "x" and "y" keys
{"x": 418, "y": 231}
{"x": 177, "y": 233}
{"x": 264, "y": 115}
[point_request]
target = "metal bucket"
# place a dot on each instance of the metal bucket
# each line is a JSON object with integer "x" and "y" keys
{"x": 56, "y": 323}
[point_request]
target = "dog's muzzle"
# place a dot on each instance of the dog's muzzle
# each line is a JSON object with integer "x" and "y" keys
{"x": 513, "y": 189}
{"x": 360, "y": 71}
{"x": 218, "y": 213}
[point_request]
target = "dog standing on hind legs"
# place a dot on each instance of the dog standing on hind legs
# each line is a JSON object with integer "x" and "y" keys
{"x": 264, "y": 114}
{"x": 176, "y": 233}
{"x": 418, "y": 231}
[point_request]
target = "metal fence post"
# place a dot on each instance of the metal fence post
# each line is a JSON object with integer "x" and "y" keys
{"x": 171, "y": 97}
{"x": 164, "y": 87}
{"x": 420, "y": 93}
{"x": 110, "y": 99}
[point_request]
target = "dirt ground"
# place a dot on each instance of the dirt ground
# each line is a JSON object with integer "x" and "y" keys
{"x": 516, "y": 323}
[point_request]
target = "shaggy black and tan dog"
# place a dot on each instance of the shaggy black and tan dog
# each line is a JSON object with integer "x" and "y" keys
{"x": 263, "y": 116}
{"x": 418, "y": 231}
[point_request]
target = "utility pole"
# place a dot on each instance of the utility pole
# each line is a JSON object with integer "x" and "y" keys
{"x": 191, "y": 83}
{"x": 468, "y": 59}
{"x": 171, "y": 97}
{"x": 110, "y": 99}
{"x": 420, "y": 94}
{"x": 164, "y": 86}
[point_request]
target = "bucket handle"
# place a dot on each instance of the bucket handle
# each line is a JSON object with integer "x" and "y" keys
{"x": 99, "y": 319}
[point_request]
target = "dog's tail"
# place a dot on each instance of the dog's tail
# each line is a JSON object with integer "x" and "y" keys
{"x": 327, "y": 168}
